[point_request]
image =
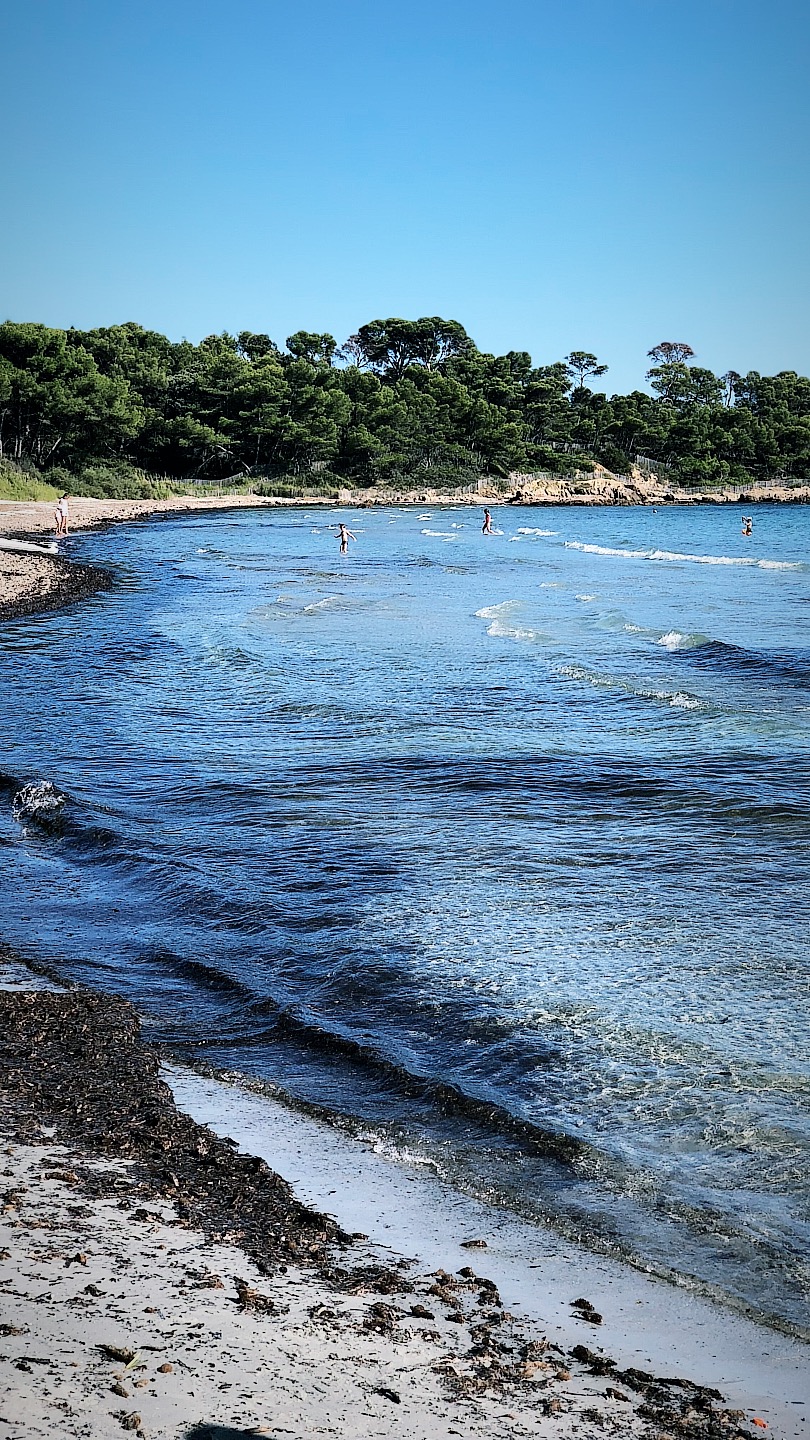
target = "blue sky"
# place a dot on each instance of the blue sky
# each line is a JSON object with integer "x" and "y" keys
{"x": 589, "y": 174}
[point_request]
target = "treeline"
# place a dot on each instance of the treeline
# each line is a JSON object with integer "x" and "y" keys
{"x": 402, "y": 402}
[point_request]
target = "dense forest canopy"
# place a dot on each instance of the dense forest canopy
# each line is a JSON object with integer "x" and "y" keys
{"x": 402, "y": 401}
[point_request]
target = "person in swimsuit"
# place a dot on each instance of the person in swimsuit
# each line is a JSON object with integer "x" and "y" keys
{"x": 345, "y": 535}
{"x": 747, "y": 525}
{"x": 486, "y": 528}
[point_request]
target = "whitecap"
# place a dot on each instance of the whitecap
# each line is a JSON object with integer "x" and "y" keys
{"x": 511, "y": 632}
{"x": 678, "y": 699}
{"x": 320, "y": 604}
{"x": 529, "y": 530}
{"x": 585, "y": 597}
{"x": 494, "y": 612}
{"x": 679, "y": 556}
{"x": 440, "y": 534}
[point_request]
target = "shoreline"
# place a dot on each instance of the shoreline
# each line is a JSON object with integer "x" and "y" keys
{"x": 86, "y": 1116}
{"x": 33, "y": 584}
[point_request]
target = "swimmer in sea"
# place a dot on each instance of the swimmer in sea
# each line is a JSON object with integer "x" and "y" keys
{"x": 345, "y": 535}
{"x": 747, "y": 525}
{"x": 486, "y": 528}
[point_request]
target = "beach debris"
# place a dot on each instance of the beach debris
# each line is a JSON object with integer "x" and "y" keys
{"x": 118, "y": 1389}
{"x": 382, "y": 1318}
{"x": 128, "y": 1420}
{"x": 587, "y": 1311}
{"x": 553, "y": 1405}
{"x": 761, "y": 1424}
{"x": 371, "y": 1279}
{"x": 614, "y": 1394}
{"x": 118, "y": 1352}
{"x": 247, "y": 1298}
{"x": 388, "y": 1394}
{"x": 165, "y": 1369}
{"x": 474, "y": 1245}
{"x": 421, "y": 1312}
{"x": 12, "y": 1329}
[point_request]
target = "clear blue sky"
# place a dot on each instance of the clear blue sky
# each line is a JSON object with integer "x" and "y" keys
{"x": 556, "y": 174}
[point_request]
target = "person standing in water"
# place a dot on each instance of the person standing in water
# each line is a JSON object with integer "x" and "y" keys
{"x": 61, "y": 516}
{"x": 486, "y": 528}
{"x": 345, "y": 535}
{"x": 747, "y": 525}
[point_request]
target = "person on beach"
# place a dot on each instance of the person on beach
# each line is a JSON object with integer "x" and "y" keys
{"x": 486, "y": 528}
{"x": 61, "y": 516}
{"x": 345, "y": 535}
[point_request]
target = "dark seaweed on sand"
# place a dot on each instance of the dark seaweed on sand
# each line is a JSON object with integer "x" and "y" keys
{"x": 75, "y": 1061}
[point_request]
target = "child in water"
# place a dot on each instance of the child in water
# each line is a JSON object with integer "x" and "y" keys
{"x": 345, "y": 535}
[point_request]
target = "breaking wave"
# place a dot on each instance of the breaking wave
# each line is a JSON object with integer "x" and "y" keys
{"x": 680, "y": 556}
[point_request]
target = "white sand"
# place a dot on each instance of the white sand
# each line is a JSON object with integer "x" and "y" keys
{"x": 77, "y": 1274}
{"x": 647, "y": 1323}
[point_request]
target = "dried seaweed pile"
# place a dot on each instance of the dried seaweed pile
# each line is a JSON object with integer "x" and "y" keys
{"x": 75, "y": 1061}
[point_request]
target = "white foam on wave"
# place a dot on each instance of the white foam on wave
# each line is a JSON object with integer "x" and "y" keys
{"x": 39, "y": 798}
{"x": 529, "y": 530}
{"x": 495, "y": 612}
{"x": 499, "y": 616}
{"x": 677, "y": 699}
{"x": 440, "y": 534}
{"x": 424, "y": 517}
{"x": 320, "y": 604}
{"x": 585, "y": 597}
{"x": 511, "y": 632}
{"x": 677, "y": 555}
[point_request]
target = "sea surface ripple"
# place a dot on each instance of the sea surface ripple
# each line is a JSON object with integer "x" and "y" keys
{"x": 497, "y": 844}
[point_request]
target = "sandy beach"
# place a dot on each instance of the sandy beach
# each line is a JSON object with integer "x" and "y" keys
{"x": 159, "y": 1278}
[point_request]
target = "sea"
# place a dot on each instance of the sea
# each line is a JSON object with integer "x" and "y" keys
{"x": 492, "y": 847}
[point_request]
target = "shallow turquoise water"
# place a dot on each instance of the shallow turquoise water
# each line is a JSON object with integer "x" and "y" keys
{"x": 500, "y": 843}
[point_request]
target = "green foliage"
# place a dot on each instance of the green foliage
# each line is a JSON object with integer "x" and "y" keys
{"x": 405, "y": 402}
{"x": 21, "y": 483}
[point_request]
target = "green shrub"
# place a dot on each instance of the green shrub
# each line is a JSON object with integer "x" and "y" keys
{"x": 19, "y": 482}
